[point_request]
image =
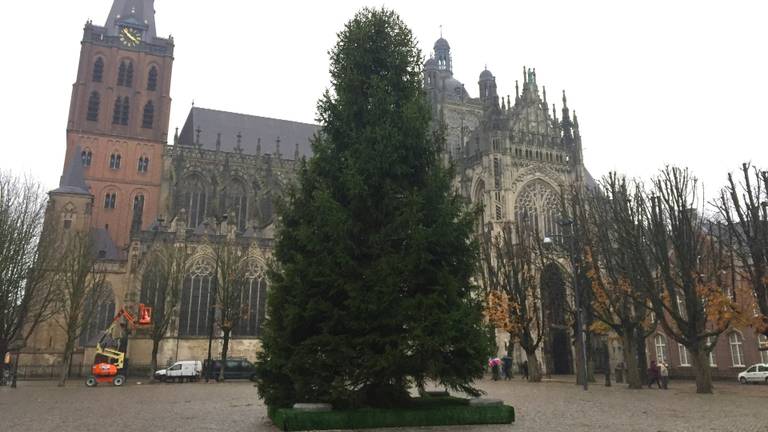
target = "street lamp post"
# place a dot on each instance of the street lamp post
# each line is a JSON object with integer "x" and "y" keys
{"x": 212, "y": 309}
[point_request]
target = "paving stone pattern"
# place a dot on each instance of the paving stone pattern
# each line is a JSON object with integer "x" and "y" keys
{"x": 556, "y": 405}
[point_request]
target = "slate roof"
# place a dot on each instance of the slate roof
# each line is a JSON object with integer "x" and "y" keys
{"x": 136, "y": 12}
{"x": 105, "y": 246}
{"x": 254, "y": 131}
{"x": 73, "y": 180}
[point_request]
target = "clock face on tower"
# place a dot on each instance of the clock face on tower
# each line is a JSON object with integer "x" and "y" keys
{"x": 129, "y": 36}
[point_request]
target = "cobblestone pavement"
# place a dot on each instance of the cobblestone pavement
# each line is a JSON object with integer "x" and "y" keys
{"x": 556, "y": 405}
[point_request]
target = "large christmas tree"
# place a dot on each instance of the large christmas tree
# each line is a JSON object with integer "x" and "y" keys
{"x": 371, "y": 290}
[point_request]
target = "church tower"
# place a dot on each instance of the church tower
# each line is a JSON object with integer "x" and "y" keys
{"x": 119, "y": 116}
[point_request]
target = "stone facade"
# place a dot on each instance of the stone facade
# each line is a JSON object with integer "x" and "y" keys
{"x": 516, "y": 159}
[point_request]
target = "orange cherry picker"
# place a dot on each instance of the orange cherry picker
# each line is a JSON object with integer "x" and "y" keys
{"x": 111, "y": 347}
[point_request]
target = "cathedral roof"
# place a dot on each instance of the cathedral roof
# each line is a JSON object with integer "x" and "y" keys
{"x": 140, "y": 13}
{"x": 254, "y": 132}
{"x": 73, "y": 180}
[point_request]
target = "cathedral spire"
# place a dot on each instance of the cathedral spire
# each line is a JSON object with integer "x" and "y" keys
{"x": 566, "y": 123}
{"x": 138, "y": 14}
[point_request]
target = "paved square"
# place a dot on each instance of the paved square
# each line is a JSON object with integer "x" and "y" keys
{"x": 556, "y": 405}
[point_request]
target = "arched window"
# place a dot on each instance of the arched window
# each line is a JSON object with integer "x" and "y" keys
{"x": 100, "y": 311}
{"x": 138, "y": 212}
{"x": 661, "y": 348}
{"x": 762, "y": 342}
{"x": 195, "y": 200}
{"x": 538, "y": 205}
{"x": 149, "y": 115}
{"x": 125, "y": 111}
{"x": 737, "y": 349}
{"x": 117, "y": 113}
{"x": 125, "y": 74}
{"x": 143, "y": 164}
{"x": 253, "y": 301}
{"x": 93, "y": 106}
{"x": 152, "y": 79}
{"x": 86, "y": 157}
{"x": 110, "y": 200}
{"x": 114, "y": 161}
{"x": 98, "y": 70}
{"x": 196, "y": 297}
{"x": 235, "y": 200}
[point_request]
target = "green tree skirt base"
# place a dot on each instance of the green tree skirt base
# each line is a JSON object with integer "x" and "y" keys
{"x": 422, "y": 412}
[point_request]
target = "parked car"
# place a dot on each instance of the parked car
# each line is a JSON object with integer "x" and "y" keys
{"x": 755, "y": 373}
{"x": 187, "y": 370}
{"x": 236, "y": 368}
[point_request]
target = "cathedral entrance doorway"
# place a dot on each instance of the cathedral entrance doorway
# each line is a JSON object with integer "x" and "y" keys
{"x": 553, "y": 303}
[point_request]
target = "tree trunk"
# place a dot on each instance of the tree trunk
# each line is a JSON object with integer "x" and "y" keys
{"x": 630, "y": 361}
{"x": 703, "y": 373}
{"x": 224, "y": 349}
{"x": 155, "y": 349}
{"x": 66, "y": 361}
{"x": 642, "y": 360}
{"x": 534, "y": 371}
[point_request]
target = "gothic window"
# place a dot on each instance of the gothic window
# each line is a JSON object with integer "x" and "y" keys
{"x": 196, "y": 297}
{"x": 86, "y": 156}
{"x": 194, "y": 199}
{"x": 661, "y": 348}
{"x": 125, "y": 74}
{"x": 152, "y": 79}
{"x": 138, "y": 211}
{"x": 125, "y": 111}
{"x": 98, "y": 70}
{"x": 737, "y": 349}
{"x": 114, "y": 161}
{"x": 496, "y": 144}
{"x": 537, "y": 204}
{"x": 234, "y": 201}
{"x": 143, "y": 165}
{"x": 93, "y": 106}
{"x": 253, "y": 299}
{"x": 101, "y": 311}
{"x": 110, "y": 200}
{"x": 122, "y": 109}
{"x": 149, "y": 116}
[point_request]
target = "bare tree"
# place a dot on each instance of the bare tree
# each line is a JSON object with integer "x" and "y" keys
{"x": 689, "y": 301}
{"x": 743, "y": 205}
{"x": 25, "y": 257}
{"x": 232, "y": 265}
{"x": 511, "y": 264}
{"x": 617, "y": 262}
{"x": 161, "y": 282}
{"x": 80, "y": 288}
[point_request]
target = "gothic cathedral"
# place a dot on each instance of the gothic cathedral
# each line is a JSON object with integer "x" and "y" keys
{"x": 220, "y": 174}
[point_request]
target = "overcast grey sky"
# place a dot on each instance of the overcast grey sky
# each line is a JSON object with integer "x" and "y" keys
{"x": 653, "y": 82}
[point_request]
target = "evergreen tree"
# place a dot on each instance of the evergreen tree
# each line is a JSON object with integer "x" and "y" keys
{"x": 371, "y": 287}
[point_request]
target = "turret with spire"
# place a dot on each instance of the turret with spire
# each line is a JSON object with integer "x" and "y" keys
{"x": 138, "y": 14}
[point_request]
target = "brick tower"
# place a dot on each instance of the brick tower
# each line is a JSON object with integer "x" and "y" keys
{"x": 119, "y": 115}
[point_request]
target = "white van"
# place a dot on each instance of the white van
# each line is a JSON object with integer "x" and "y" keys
{"x": 188, "y": 370}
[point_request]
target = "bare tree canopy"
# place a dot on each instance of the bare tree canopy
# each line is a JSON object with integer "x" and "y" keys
{"x": 743, "y": 204}
{"x": 24, "y": 261}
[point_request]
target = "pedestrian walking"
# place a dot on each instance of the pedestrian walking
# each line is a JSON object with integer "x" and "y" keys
{"x": 525, "y": 369}
{"x": 664, "y": 374}
{"x": 495, "y": 364}
{"x": 506, "y": 367}
{"x": 653, "y": 374}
